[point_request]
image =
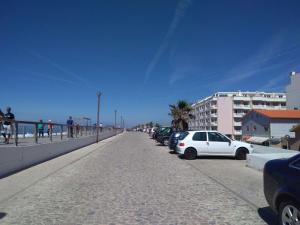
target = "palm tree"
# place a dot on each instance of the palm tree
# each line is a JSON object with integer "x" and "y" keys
{"x": 181, "y": 113}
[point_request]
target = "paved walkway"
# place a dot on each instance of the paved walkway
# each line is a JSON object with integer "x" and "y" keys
{"x": 127, "y": 180}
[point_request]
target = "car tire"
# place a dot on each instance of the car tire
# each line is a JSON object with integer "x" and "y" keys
{"x": 289, "y": 213}
{"x": 190, "y": 154}
{"x": 166, "y": 142}
{"x": 241, "y": 154}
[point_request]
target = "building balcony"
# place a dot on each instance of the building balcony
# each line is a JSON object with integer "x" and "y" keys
{"x": 213, "y": 106}
{"x": 214, "y": 123}
{"x": 238, "y": 115}
{"x": 268, "y": 99}
{"x": 241, "y": 98}
{"x": 241, "y": 106}
{"x": 213, "y": 115}
{"x": 239, "y": 124}
{"x": 237, "y": 132}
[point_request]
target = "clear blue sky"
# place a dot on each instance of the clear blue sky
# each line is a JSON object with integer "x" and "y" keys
{"x": 143, "y": 55}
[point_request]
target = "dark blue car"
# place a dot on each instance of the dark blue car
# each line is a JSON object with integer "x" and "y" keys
{"x": 173, "y": 140}
{"x": 282, "y": 188}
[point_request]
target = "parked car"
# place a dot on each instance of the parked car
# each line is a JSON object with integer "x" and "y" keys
{"x": 163, "y": 137}
{"x": 152, "y": 130}
{"x": 282, "y": 189}
{"x": 173, "y": 140}
{"x": 196, "y": 143}
{"x": 157, "y": 131}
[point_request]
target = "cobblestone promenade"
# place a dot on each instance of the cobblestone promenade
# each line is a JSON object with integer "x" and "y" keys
{"x": 130, "y": 181}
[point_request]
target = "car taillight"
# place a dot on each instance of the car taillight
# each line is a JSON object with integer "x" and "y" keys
{"x": 181, "y": 144}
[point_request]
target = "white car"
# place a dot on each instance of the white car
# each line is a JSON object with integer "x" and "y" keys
{"x": 195, "y": 143}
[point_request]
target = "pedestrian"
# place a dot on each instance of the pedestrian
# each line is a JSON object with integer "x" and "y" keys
{"x": 41, "y": 128}
{"x": 77, "y": 128}
{"x": 70, "y": 123}
{"x": 101, "y": 127}
{"x": 9, "y": 119}
{"x": 1, "y": 119}
{"x": 50, "y": 128}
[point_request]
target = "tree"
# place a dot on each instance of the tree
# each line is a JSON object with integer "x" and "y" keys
{"x": 181, "y": 113}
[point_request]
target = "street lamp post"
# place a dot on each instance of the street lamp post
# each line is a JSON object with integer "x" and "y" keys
{"x": 115, "y": 119}
{"x": 98, "y": 112}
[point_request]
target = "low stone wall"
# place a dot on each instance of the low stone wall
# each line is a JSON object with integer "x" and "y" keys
{"x": 262, "y": 154}
{"x": 13, "y": 159}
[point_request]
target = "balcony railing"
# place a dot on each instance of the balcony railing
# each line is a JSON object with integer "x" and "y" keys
{"x": 238, "y": 115}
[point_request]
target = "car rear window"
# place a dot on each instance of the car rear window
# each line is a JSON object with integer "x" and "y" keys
{"x": 200, "y": 136}
{"x": 183, "y": 135}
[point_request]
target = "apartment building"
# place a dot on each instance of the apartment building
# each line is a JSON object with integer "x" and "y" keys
{"x": 223, "y": 111}
{"x": 293, "y": 91}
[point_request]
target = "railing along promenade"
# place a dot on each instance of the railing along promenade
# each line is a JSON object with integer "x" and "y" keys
{"x": 28, "y": 130}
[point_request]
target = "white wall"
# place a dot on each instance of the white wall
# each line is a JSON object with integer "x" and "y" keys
{"x": 15, "y": 158}
{"x": 279, "y": 130}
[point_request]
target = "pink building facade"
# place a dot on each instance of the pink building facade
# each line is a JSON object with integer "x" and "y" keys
{"x": 224, "y": 111}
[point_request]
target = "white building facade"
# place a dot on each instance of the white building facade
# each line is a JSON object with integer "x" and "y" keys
{"x": 223, "y": 111}
{"x": 293, "y": 91}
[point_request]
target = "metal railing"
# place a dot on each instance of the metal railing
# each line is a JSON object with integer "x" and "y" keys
{"x": 30, "y": 129}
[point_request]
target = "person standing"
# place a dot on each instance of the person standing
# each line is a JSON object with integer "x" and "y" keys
{"x": 50, "y": 128}
{"x": 9, "y": 118}
{"x": 70, "y": 124}
{"x": 1, "y": 119}
{"x": 41, "y": 128}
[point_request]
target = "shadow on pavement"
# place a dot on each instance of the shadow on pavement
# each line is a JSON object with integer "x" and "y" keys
{"x": 210, "y": 157}
{"x": 216, "y": 157}
{"x": 2, "y": 215}
{"x": 268, "y": 215}
{"x": 161, "y": 145}
{"x": 172, "y": 152}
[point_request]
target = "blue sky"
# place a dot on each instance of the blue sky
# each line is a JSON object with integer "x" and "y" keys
{"x": 143, "y": 55}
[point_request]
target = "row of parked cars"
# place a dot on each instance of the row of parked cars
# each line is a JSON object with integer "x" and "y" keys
{"x": 281, "y": 177}
{"x": 191, "y": 144}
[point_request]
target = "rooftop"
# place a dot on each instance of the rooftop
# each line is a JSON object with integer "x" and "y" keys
{"x": 279, "y": 114}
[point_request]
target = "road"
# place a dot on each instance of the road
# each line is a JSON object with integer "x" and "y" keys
{"x": 131, "y": 180}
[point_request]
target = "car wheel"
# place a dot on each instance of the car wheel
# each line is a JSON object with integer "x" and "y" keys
{"x": 289, "y": 213}
{"x": 241, "y": 154}
{"x": 190, "y": 154}
{"x": 166, "y": 142}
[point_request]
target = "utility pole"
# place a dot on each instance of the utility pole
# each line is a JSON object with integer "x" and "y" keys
{"x": 98, "y": 112}
{"x": 115, "y": 119}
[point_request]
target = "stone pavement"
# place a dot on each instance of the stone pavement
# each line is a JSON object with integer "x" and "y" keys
{"x": 130, "y": 180}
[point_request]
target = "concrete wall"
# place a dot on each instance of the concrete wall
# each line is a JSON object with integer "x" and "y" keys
{"x": 280, "y": 128}
{"x": 17, "y": 158}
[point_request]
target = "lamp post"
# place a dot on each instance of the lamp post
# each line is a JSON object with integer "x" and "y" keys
{"x": 115, "y": 119}
{"x": 98, "y": 112}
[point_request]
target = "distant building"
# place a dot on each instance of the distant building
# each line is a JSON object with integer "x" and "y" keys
{"x": 223, "y": 111}
{"x": 293, "y": 91}
{"x": 261, "y": 126}
{"x": 296, "y": 144}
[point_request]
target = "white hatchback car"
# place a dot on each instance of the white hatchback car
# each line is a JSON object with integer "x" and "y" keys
{"x": 194, "y": 143}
